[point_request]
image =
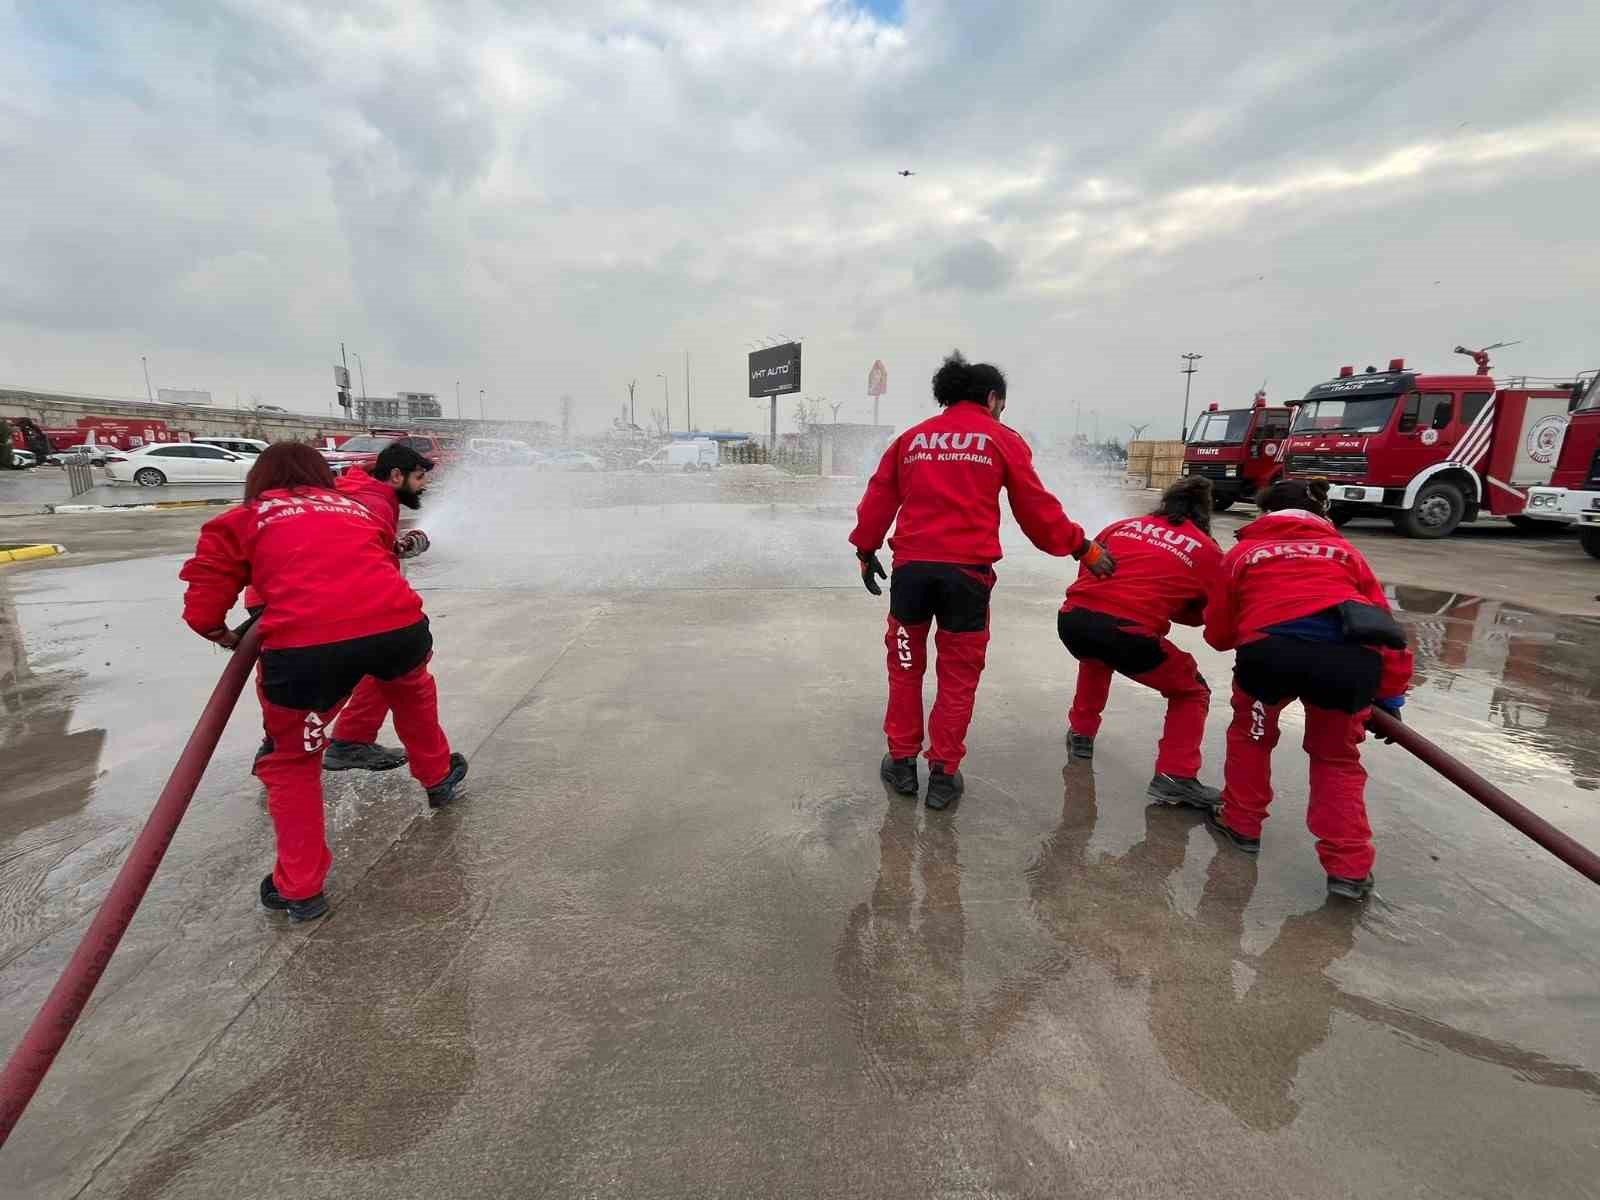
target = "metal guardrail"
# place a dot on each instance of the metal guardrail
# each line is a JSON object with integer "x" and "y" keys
{"x": 80, "y": 474}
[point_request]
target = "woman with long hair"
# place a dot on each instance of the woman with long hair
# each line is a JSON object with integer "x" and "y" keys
{"x": 1308, "y": 621}
{"x": 336, "y": 609}
{"x": 1167, "y": 565}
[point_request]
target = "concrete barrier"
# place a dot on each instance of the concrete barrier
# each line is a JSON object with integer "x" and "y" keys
{"x": 15, "y": 553}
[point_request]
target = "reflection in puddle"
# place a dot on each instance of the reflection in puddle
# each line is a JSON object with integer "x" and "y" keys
{"x": 1531, "y": 677}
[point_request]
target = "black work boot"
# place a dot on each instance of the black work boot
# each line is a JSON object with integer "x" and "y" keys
{"x": 444, "y": 791}
{"x": 262, "y": 751}
{"x": 944, "y": 790}
{"x": 308, "y": 909}
{"x": 1249, "y": 845}
{"x": 361, "y": 756}
{"x": 1190, "y": 793}
{"x": 900, "y": 774}
{"x": 1081, "y": 745}
{"x": 1351, "y": 889}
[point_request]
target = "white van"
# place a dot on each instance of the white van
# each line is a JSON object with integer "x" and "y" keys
{"x": 683, "y": 456}
{"x": 235, "y": 445}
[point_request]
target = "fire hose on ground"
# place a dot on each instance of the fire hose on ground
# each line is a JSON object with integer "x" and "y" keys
{"x": 28, "y": 1064}
{"x": 26, "y": 1068}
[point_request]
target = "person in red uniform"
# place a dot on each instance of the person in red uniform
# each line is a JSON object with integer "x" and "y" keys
{"x": 939, "y": 485}
{"x": 398, "y": 477}
{"x": 1167, "y": 565}
{"x": 1309, "y": 621}
{"x": 336, "y": 609}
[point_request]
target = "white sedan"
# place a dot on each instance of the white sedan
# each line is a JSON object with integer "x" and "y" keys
{"x": 184, "y": 462}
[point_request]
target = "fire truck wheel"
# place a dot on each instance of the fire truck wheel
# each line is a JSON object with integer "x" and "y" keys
{"x": 1437, "y": 511}
{"x": 1589, "y": 539}
{"x": 1221, "y": 503}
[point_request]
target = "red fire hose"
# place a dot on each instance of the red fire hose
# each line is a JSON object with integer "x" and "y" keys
{"x": 26, "y": 1068}
{"x": 1579, "y": 857}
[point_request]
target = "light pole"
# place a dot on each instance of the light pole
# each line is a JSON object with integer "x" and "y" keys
{"x": 458, "y": 399}
{"x": 1188, "y": 378}
{"x": 666, "y": 393}
{"x": 633, "y": 411}
{"x": 480, "y": 404}
{"x": 361, "y": 367}
{"x": 149, "y": 395}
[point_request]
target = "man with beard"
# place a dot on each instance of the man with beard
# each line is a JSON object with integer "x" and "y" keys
{"x": 397, "y": 479}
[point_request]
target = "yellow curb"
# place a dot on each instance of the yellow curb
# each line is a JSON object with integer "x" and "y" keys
{"x": 24, "y": 553}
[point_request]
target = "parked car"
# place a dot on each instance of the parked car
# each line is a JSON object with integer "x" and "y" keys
{"x": 21, "y": 460}
{"x": 573, "y": 460}
{"x": 502, "y": 452}
{"x": 187, "y": 462}
{"x": 683, "y": 456}
{"x": 362, "y": 450}
{"x": 234, "y": 445}
{"x": 96, "y": 454}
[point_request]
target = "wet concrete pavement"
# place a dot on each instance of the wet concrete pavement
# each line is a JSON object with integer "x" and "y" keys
{"x": 676, "y": 940}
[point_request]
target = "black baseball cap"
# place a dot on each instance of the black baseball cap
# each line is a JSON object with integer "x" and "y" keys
{"x": 395, "y": 457}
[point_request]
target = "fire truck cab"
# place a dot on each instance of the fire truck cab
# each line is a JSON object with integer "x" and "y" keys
{"x": 1428, "y": 451}
{"x": 1574, "y": 491}
{"x": 1238, "y": 449}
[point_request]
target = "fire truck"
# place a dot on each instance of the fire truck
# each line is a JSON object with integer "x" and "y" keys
{"x": 1238, "y": 449}
{"x": 1574, "y": 491}
{"x": 1428, "y": 451}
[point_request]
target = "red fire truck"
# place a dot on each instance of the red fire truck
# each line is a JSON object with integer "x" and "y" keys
{"x": 1238, "y": 449}
{"x": 1428, "y": 451}
{"x": 1574, "y": 491}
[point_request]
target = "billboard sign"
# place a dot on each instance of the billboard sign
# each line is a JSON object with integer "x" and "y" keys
{"x": 182, "y": 396}
{"x": 775, "y": 371}
{"x": 341, "y": 377}
{"x": 878, "y": 379}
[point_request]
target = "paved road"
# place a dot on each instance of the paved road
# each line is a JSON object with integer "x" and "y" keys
{"x": 676, "y": 940}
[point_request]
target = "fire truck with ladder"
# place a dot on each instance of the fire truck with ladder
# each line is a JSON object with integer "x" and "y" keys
{"x": 1574, "y": 491}
{"x": 1238, "y": 449}
{"x": 1429, "y": 451}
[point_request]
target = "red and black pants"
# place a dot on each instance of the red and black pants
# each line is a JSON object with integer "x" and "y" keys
{"x": 1335, "y": 683}
{"x": 956, "y": 597}
{"x": 1105, "y": 646}
{"x": 302, "y": 691}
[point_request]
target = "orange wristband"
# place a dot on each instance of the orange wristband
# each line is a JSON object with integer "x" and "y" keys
{"x": 1092, "y": 554}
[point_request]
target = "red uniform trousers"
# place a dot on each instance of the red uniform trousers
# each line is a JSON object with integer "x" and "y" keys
{"x": 1105, "y": 646}
{"x": 958, "y": 598}
{"x": 299, "y": 727}
{"x": 1336, "y": 813}
{"x": 363, "y": 714}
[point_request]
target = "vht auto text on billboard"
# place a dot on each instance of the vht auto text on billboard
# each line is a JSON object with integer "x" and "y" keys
{"x": 775, "y": 370}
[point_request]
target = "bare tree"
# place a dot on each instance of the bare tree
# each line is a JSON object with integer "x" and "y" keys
{"x": 807, "y": 411}
{"x": 1138, "y": 431}
{"x": 658, "y": 422}
{"x": 836, "y": 405}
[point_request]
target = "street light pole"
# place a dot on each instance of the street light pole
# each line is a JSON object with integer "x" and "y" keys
{"x": 458, "y": 399}
{"x": 666, "y": 392}
{"x": 361, "y": 367}
{"x": 1188, "y": 378}
{"x": 149, "y": 395}
{"x": 480, "y": 404}
{"x": 688, "y": 412}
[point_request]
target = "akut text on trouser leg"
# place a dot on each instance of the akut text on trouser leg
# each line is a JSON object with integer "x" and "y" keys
{"x": 1090, "y": 696}
{"x": 958, "y": 665}
{"x": 414, "y": 699}
{"x": 907, "y": 664}
{"x": 1188, "y": 698}
{"x": 1337, "y": 811}
{"x": 1247, "y": 773}
{"x": 363, "y": 715}
{"x": 293, "y": 776}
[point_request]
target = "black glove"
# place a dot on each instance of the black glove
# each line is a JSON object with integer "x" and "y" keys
{"x": 1096, "y": 558}
{"x": 411, "y": 543}
{"x": 870, "y": 566}
{"x": 1393, "y": 710}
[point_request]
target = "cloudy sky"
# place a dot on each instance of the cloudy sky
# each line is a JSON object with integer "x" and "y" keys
{"x": 546, "y": 198}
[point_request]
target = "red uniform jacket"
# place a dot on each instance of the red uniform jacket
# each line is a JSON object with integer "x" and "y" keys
{"x": 381, "y": 500}
{"x": 1165, "y": 573}
{"x": 943, "y": 477}
{"x": 319, "y": 560}
{"x": 1291, "y": 564}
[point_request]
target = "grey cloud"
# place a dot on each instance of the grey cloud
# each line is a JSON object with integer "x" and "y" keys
{"x": 973, "y": 266}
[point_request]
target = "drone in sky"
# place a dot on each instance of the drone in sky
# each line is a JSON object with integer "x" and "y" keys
{"x": 905, "y": 174}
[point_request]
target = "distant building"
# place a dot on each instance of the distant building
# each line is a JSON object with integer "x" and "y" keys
{"x": 401, "y": 409}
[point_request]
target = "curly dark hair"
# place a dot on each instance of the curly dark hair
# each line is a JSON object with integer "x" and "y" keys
{"x": 287, "y": 465}
{"x": 959, "y": 380}
{"x": 1309, "y": 494}
{"x": 1187, "y": 500}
